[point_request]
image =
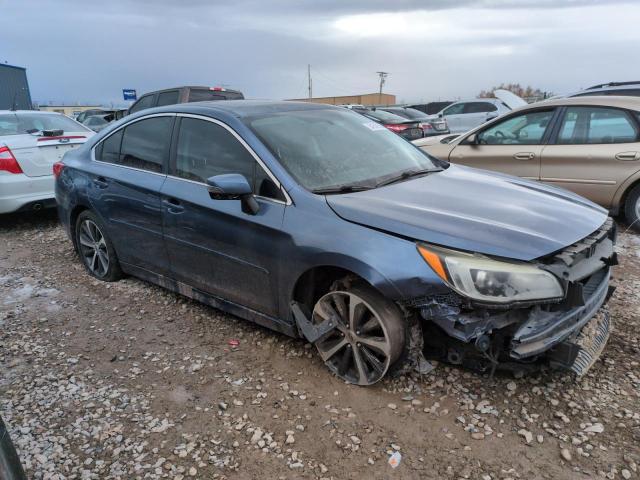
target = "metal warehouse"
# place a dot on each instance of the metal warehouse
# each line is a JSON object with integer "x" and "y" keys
{"x": 14, "y": 88}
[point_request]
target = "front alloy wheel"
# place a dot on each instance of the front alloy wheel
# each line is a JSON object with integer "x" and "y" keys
{"x": 368, "y": 338}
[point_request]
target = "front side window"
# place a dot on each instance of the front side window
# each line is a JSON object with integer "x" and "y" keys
{"x": 145, "y": 144}
{"x": 144, "y": 102}
{"x": 525, "y": 129}
{"x": 596, "y": 125}
{"x": 206, "y": 149}
{"x": 328, "y": 148}
{"x": 168, "y": 98}
{"x": 455, "y": 109}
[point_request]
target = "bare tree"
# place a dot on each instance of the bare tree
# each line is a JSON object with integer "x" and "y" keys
{"x": 527, "y": 93}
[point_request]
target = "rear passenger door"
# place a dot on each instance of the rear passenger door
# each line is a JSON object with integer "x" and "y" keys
{"x": 213, "y": 245}
{"x": 593, "y": 150}
{"x": 124, "y": 188}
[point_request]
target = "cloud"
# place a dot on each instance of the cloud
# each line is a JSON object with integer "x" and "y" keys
{"x": 87, "y": 52}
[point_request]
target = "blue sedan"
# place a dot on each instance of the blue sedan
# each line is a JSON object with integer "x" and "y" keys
{"x": 319, "y": 223}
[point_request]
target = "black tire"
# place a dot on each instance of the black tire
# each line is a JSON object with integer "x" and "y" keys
{"x": 366, "y": 345}
{"x": 95, "y": 248}
{"x": 632, "y": 208}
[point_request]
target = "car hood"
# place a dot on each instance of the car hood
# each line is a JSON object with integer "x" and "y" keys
{"x": 475, "y": 210}
{"x": 510, "y": 99}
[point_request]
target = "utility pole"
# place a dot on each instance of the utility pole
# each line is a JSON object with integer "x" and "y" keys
{"x": 310, "y": 83}
{"x": 383, "y": 77}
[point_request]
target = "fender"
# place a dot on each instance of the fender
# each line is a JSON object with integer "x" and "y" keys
{"x": 622, "y": 190}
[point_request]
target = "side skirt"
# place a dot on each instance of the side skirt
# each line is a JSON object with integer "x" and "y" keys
{"x": 216, "y": 302}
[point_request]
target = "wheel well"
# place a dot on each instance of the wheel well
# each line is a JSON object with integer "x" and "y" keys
{"x": 317, "y": 281}
{"x": 623, "y": 200}
{"x": 75, "y": 213}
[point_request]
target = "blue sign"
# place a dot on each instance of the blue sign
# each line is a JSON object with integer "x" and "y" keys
{"x": 129, "y": 94}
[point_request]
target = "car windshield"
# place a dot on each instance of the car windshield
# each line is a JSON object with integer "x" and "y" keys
{"x": 410, "y": 113}
{"x": 330, "y": 148}
{"x": 21, "y": 123}
{"x": 381, "y": 115}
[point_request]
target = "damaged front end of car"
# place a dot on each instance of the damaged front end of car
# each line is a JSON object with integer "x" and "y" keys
{"x": 520, "y": 315}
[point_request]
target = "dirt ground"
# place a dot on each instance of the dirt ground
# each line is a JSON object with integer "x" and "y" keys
{"x": 126, "y": 380}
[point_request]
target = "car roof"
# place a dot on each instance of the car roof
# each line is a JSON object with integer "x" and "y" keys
{"x": 204, "y": 87}
{"x": 241, "y": 108}
{"x": 632, "y": 103}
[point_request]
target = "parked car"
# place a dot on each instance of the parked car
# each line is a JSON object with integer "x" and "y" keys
{"x": 10, "y": 466}
{"x": 409, "y": 129}
{"x": 305, "y": 219}
{"x": 625, "y": 89}
{"x": 590, "y": 145}
{"x": 465, "y": 115}
{"x": 430, "y": 108}
{"x": 429, "y": 125}
{"x": 82, "y": 116}
{"x": 96, "y": 122}
{"x": 171, "y": 96}
{"x": 30, "y": 143}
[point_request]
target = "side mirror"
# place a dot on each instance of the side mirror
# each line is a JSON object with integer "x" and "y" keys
{"x": 471, "y": 139}
{"x": 440, "y": 115}
{"x": 233, "y": 186}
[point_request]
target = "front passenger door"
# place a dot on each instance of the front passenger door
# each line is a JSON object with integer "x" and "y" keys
{"x": 511, "y": 146}
{"x": 213, "y": 245}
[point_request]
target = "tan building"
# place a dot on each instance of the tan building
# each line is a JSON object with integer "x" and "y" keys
{"x": 366, "y": 99}
{"x": 68, "y": 110}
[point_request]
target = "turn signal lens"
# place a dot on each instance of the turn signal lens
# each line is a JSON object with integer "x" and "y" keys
{"x": 434, "y": 262}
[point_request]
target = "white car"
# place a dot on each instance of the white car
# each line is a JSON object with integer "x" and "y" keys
{"x": 30, "y": 143}
{"x": 465, "y": 115}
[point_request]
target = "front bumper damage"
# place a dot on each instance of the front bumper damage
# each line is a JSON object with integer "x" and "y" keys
{"x": 568, "y": 334}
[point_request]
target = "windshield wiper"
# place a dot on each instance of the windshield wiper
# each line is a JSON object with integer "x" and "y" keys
{"x": 406, "y": 174}
{"x": 341, "y": 189}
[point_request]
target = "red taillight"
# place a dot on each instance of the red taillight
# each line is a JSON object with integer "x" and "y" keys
{"x": 397, "y": 128}
{"x": 8, "y": 162}
{"x": 218, "y": 89}
{"x": 57, "y": 169}
{"x": 426, "y": 126}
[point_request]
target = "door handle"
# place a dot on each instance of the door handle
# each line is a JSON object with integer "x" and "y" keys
{"x": 626, "y": 156}
{"x": 100, "y": 182}
{"x": 524, "y": 156}
{"x": 173, "y": 205}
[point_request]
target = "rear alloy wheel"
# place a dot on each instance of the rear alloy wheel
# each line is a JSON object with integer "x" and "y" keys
{"x": 95, "y": 249}
{"x": 369, "y": 336}
{"x": 632, "y": 208}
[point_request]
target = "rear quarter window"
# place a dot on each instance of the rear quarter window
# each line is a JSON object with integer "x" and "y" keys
{"x": 206, "y": 95}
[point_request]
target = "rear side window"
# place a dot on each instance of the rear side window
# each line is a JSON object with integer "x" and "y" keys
{"x": 596, "y": 125}
{"x": 144, "y": 102}
{"x": 205, "y": 95}
{"x": 21, "y": 123}
{"x": 145, "y": 144}
{"x": 479, "y": 107}
{"x": 109, "y": 149}
{"x": 168, "y": 98}
{"x": 454, "y": 109}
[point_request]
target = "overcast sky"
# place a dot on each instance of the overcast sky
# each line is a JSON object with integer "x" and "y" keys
{"x": 86, "y": 51}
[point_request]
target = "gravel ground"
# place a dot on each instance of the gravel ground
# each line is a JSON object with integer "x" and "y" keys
{"x": 126, "y": 380}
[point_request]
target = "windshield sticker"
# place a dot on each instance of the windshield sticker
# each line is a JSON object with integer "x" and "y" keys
{"x": 374, "y": 126}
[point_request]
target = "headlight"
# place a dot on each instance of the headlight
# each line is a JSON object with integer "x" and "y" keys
{"x": 492, "y": 281}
